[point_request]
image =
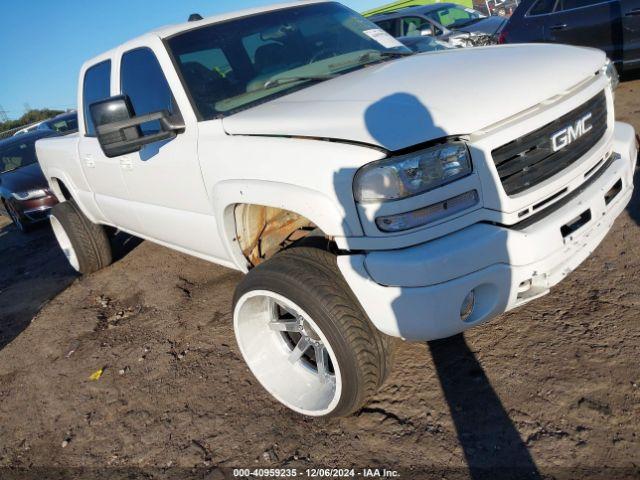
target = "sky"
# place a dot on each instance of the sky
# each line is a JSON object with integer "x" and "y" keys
{"x": 43, "y": 43}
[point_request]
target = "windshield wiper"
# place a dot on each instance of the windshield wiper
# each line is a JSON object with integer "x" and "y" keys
{"x": 396, "y": 53}
{"x": 378, "y": 54}
{"x": 276, "y": 82}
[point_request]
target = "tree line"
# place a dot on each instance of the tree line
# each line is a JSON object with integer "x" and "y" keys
{"x": 32, "y": 116}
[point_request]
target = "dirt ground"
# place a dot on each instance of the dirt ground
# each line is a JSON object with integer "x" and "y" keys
{"x": 551, "y": 390}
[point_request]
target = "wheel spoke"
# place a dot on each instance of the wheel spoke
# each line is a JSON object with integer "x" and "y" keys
{"x": 296, "y": 354}
{"x": 285, "y": 326}
{"x": 322, "y": 362}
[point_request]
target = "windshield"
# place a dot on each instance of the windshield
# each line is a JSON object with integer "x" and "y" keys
{"x": 230, "y": 66}
{"x": 456, "y": 17}
{"x": 16, "y": 155}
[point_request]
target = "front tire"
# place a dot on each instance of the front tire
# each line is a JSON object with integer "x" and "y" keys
{"x": 306, "y": 338}
{"x": 84, "y": 243}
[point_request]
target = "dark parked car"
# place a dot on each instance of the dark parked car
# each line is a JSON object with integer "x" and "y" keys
{"x": 24, "y": 192}
{"x": 611, "y": 25}
{"x": 440, "y": 20}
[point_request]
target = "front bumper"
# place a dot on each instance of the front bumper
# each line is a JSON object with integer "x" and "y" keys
{"x": 416, "y": 293}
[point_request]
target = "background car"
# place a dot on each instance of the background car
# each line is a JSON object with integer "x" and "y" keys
{"x": 425, "y": 44}
{"x": 24, "y": 193}
{"x": 65, "y": 123}
{"x": 27, "y": 129}
{"x": 610, "y": 25}
{"x": 441, "y": 20}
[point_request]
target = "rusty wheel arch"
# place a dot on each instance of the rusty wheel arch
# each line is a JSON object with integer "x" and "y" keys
{"x": 263, "y": 231}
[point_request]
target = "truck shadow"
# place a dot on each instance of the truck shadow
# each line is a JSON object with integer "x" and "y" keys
{"x": 492, "y": 445}
{"x": 33, "y": 270}
{"x": 634, "y": 205}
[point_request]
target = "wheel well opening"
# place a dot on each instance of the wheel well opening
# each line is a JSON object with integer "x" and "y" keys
{"x": 60, "y": 190}
{"x": 261, "y": 231}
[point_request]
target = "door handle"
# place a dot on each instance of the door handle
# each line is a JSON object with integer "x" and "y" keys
{"x": 89, "y": 161}
{"x": 126, "y": 163}
{"x": 560, "y": 26}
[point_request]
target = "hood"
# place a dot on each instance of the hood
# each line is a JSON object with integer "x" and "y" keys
{"x": 412, "y": 100}
{"x": 25, "y": 178}
{"x": 489, "y": 25}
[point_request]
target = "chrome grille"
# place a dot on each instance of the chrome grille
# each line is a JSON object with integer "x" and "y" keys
{"x": 531, "y": 159}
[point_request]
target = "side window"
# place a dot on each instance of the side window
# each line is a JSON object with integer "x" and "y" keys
{"x": 449, "y": 17}
{"x": 413, "y": 26}
{"x": 96, "y": 86}
{"x": 387, "y": 26}
{"x": 570, "y": 4}
{"x": 142, "y": 79}
{"x": 542, "y": 7}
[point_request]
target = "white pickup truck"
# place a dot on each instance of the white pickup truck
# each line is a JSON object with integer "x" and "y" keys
{"x": 366, "y": 191}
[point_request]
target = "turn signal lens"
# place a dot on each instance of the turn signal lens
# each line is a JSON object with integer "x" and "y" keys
{"x": 430, "y": 214}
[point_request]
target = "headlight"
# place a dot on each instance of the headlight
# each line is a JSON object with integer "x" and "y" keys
{"x": 412, "y": 174}
{"x": 30, "y": 194}
{"x": 611, "y": 73}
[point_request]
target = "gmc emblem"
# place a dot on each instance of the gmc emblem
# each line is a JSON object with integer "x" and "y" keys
{"x": 571, "y": 133}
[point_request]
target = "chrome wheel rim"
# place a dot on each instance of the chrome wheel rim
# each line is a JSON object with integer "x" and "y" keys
{"x": 287, "y": 352}
{"x": 65, "y": 243}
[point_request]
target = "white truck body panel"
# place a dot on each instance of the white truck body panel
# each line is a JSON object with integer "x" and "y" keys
{"x": 182, "y": 193}
{"x": 399, "y": 104}
{"x": 506, "y": 268}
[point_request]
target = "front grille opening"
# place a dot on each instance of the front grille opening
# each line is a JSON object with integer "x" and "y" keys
{"x": 594, "y": 168}
{"x": 537, "y": 206}
{"x": 575, "y": 224}
{"x": 535, "y": 157}
{"x": 613, "y": 192}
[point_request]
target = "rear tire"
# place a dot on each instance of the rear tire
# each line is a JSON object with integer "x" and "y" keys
{"x": 300, "y": 293}
{"x": 84, "y": 243}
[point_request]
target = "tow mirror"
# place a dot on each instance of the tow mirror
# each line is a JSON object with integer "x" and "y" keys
{"x": 118, "y": 128}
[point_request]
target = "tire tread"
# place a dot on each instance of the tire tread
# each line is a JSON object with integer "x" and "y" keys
{"x": 317, "y": 271}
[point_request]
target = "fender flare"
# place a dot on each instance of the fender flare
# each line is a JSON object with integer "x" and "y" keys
{"x": 318, "y": 208}
{"x": 53, "y": 176}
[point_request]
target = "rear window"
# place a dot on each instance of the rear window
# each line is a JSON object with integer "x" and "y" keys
{"x": 97, "y": 86}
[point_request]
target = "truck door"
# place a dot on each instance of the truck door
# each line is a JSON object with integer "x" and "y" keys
{"x": 164, "y": 179}
{"x": 631, "y": 31}
{"x": 102, "y": 173}
{"x": 590, "y": 23}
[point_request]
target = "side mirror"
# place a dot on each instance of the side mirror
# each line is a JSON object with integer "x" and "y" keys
{"x": 118, "y": 129}
{"x": 426, "y": 32}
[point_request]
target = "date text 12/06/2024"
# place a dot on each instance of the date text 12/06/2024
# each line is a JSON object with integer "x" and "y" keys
{"x": 315, "y": 473}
